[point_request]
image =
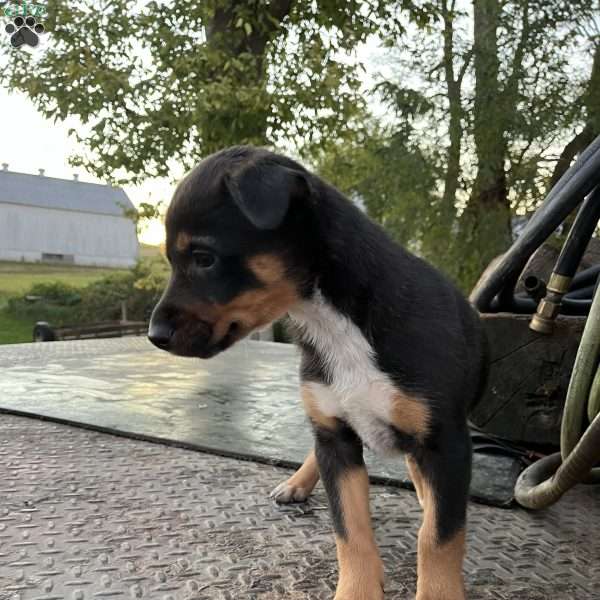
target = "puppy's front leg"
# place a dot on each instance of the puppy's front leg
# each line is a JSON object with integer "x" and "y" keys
{"x": 339, "y": 454}
{"x": 300, "y": 485}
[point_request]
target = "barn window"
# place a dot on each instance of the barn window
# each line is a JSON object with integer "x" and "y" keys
{"x": 64, "y": 258}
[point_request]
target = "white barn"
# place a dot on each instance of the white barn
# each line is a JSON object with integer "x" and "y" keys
{"x": 58, "y": 220}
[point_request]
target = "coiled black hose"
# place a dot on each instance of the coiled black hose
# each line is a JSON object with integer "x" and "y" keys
{"x": 579, "y": 236}
{"x": 585, "y": 278}
{"x": 580, "y": 179}
{"x": 570, "y": 256}
{"x": 583, "y": 293}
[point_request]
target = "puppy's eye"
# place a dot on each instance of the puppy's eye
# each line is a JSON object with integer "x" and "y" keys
{"x": 204, "y": 259}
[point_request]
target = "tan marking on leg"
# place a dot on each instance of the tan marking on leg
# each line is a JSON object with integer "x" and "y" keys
{"x": 183, "y": 241}
{"x": 410, "y": 415}
{"x": 311, "y": 408}
{"x": 307, "y": 475}
{"x": 415, "y": 477}
{"x": 300, "y": 485}
{"x": 361, "y": 569}
{"x": 439, "y": 566}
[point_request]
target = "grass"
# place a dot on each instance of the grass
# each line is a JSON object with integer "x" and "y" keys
{"x": 16, "y": 278}
{"x": 14, "y": 331}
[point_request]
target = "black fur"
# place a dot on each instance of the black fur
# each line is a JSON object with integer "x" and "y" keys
{"x": 338, "y": 452}
{"x": 264, "y": 194}
{"x": 445, "y": 462}
{"x": 312, "y": 366}
{"x": 244, "y": 201}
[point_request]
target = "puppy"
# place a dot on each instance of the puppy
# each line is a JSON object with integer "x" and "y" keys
{"x": 392, "y": 355}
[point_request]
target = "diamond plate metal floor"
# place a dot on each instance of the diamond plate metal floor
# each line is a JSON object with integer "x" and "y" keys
{"x": 244, "y": 402}
{"x": 86, "y": 515}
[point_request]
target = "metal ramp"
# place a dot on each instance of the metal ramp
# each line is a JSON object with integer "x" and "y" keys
{"x": 87, "y": 515}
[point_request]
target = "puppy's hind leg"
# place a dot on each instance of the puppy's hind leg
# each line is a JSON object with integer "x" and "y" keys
{"x": 300, "y": 485}
{"x": 443, "y": 476}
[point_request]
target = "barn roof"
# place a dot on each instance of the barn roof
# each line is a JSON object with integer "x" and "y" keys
{"x": 63, "y": 194}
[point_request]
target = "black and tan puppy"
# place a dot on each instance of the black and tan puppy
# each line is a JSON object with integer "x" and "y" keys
{"x": 392, "y": 355}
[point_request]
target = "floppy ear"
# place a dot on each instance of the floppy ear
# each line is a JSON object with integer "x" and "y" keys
{"x": 263, "y": 193}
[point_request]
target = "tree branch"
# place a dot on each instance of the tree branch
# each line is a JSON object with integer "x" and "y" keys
{"x": 577, "y": 144}
{"x": 517, "y": 63}
{"x": 463, "y": 69}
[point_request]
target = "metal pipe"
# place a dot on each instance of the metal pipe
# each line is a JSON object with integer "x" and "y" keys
{"x": 549, "y": 306}
{"x": 535, "y": 287}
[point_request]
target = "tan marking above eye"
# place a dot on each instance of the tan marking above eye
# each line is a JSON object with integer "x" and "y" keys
{"x": 183, "y": 241}
{"x": 410, "y": 415}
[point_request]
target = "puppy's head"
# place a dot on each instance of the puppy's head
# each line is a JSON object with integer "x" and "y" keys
{"x": 234, "y": 228}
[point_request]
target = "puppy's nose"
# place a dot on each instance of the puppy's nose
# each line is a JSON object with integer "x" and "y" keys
{"x": 160, "y": 334}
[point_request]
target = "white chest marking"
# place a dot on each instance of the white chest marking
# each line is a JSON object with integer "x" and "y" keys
{"x": 360, "y": 394}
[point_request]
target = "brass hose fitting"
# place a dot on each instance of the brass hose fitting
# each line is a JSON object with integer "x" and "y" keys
{"x": 549, "y": 306}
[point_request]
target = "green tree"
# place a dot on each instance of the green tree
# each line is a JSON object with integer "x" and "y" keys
{"x": 588, "y": 102}
{"x": 158, "y": 83}
{"x": 522, "y": 100}
{"x": 385, "y": 171}
{"x": 143, "y": 214}
{"x": 499, "y": 85}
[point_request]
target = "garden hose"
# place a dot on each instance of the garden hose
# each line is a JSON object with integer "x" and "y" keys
{"x": 594, "y": 402}
{"x": 582, "y": 377}
{"x": 544, "y": 482}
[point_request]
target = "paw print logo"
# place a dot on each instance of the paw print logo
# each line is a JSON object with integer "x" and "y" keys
{"x": 24, "y": 31}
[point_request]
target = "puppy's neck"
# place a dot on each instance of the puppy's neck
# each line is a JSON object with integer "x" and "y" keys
{"x": 318, "y": 322}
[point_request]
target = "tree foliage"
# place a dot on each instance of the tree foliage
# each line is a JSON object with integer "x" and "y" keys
{"x": 494, "y": 92}
{"x": 487, "y": 103}
{"x": 159, "y": 82}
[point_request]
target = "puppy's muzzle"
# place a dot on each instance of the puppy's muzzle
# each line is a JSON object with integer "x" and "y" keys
{"x": 180, "y": 332}
{"x": 160, "y": 333}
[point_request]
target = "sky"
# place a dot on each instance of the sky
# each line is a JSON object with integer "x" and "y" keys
{"x": 29, "y": 142}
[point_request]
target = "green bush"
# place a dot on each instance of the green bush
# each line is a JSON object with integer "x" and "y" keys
{"x": 56, "y": 292}
{"x": 61, "y": 304}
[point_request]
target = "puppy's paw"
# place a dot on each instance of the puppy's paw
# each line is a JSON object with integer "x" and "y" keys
{"x": 375, "y": 594}
{"x": 287, "y": 492}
